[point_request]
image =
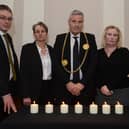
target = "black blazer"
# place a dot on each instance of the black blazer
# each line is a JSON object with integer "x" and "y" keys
{"x": 31, "y": 70}
{"x": 5, "y": 69}
{"x": 112, "y": 71}
{"x": 88, "y": 68}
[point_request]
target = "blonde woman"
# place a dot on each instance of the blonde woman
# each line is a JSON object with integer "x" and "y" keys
{"x": 113, "y": 68}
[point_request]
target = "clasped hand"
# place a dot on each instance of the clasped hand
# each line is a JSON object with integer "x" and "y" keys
{"x": 74, "y": 88}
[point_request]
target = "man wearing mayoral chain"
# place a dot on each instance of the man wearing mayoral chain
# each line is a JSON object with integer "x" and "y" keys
{"x": 75, "y": 62}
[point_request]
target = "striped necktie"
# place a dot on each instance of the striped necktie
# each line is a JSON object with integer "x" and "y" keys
{"x": 76, "y": 77}
{"x": 10, "y": 56}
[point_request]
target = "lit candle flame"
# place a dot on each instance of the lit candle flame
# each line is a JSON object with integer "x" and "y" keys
{"x": 118, "y": 102}
{"x": 93, "y": 102}
{"x": 78, "y": 102}
{"x": 105, "y": 102}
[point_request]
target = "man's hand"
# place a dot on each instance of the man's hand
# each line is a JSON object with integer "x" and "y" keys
{"x": 74, "y": 88}
{"x": 78, "y": 87}
{"x": 70, "y": 86}
{"x": 8, "y": 103}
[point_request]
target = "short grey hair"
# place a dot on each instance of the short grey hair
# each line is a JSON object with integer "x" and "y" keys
{"x": 76, "y": 12}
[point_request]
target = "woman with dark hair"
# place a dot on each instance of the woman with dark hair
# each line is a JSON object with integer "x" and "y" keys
{"x": 36, "y": 67}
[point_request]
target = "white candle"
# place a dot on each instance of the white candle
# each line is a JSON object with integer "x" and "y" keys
{"x": 93, "y": 108}
{"x": 106, "y": 108}
{"x": 119, "y": 109}
{"x": 64, "y": 108}
{"x": 34, "y": 108}
{"x": 78, "y": 108}
{"x": 49, "y": 108}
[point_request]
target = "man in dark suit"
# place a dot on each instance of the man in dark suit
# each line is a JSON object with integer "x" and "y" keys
{"x": 75, "y": 83}
{"x": 8, "y": 64}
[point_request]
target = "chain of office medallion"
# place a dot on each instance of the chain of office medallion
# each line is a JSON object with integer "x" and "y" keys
{"x": 83, "y": 60}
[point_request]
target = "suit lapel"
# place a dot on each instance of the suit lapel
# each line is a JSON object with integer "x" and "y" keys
{"x": 67, "y": 52}
{"x": 13, "y": 53}
{"x": 37, "y": 58}
{"x": 3, "y": 50}
{"x": 82, "y": 42}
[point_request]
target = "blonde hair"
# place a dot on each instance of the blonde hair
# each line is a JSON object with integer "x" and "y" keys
{"x": 119, "y": 42}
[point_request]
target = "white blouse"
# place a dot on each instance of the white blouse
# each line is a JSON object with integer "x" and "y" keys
{"x": 46, "y": 64}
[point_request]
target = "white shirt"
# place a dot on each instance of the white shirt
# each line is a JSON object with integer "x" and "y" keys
{"x": 46, "y": 64}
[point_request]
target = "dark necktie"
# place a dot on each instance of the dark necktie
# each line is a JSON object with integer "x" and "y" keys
{"x": 10, "y": 56}
{"x": 75, "y": 60}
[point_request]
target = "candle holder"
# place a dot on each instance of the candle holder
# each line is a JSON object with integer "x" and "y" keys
{"x": 49, "y": 108}
{"x": 93, "y": 108}
{"x": 106, "y": 108}
{"x": 78, "y": 108}
{"x": 64, "y": 109}
{"x": 34, "y": 108}
{"x": 119, "y": 108}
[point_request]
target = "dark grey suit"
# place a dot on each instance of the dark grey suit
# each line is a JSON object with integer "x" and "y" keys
{"x": 6, "y": 85}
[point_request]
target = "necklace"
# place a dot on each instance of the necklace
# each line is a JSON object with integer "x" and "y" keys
{"x": 65, "y": 61}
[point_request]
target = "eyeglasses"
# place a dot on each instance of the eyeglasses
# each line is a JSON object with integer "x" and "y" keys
{"x": 6, "y": 18}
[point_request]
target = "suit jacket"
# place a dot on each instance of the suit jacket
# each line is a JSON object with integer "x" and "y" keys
{"x": 88, "y": 68}
{"x": 31, "y": 70}
{"x": 5, "y": 68}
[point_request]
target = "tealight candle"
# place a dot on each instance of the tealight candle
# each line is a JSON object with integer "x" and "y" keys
{"x": 64, "y": 108}
{"x": 106, "y": 108}
{"x": 93, "y": 108}
{"x": 49, "y": 108}
{"x": 119, "y": 108}
{"x": 78, "y": 108}
{"x": 34, "y": 108}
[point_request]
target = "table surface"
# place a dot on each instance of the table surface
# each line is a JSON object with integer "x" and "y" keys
{"x": 24, "y": 120}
